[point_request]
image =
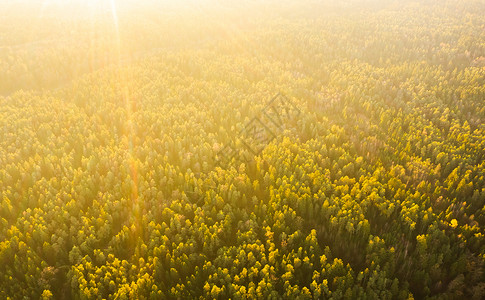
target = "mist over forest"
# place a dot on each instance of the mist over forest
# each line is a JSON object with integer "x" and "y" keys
{"x": 242, "y": 149}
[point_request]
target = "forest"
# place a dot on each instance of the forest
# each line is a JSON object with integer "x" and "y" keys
{"x": 242, "y": 149}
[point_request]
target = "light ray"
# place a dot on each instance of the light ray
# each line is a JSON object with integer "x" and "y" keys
{"x": 114, "y": 14}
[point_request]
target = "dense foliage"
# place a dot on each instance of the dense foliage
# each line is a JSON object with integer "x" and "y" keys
{"x": 111, "y": 125}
